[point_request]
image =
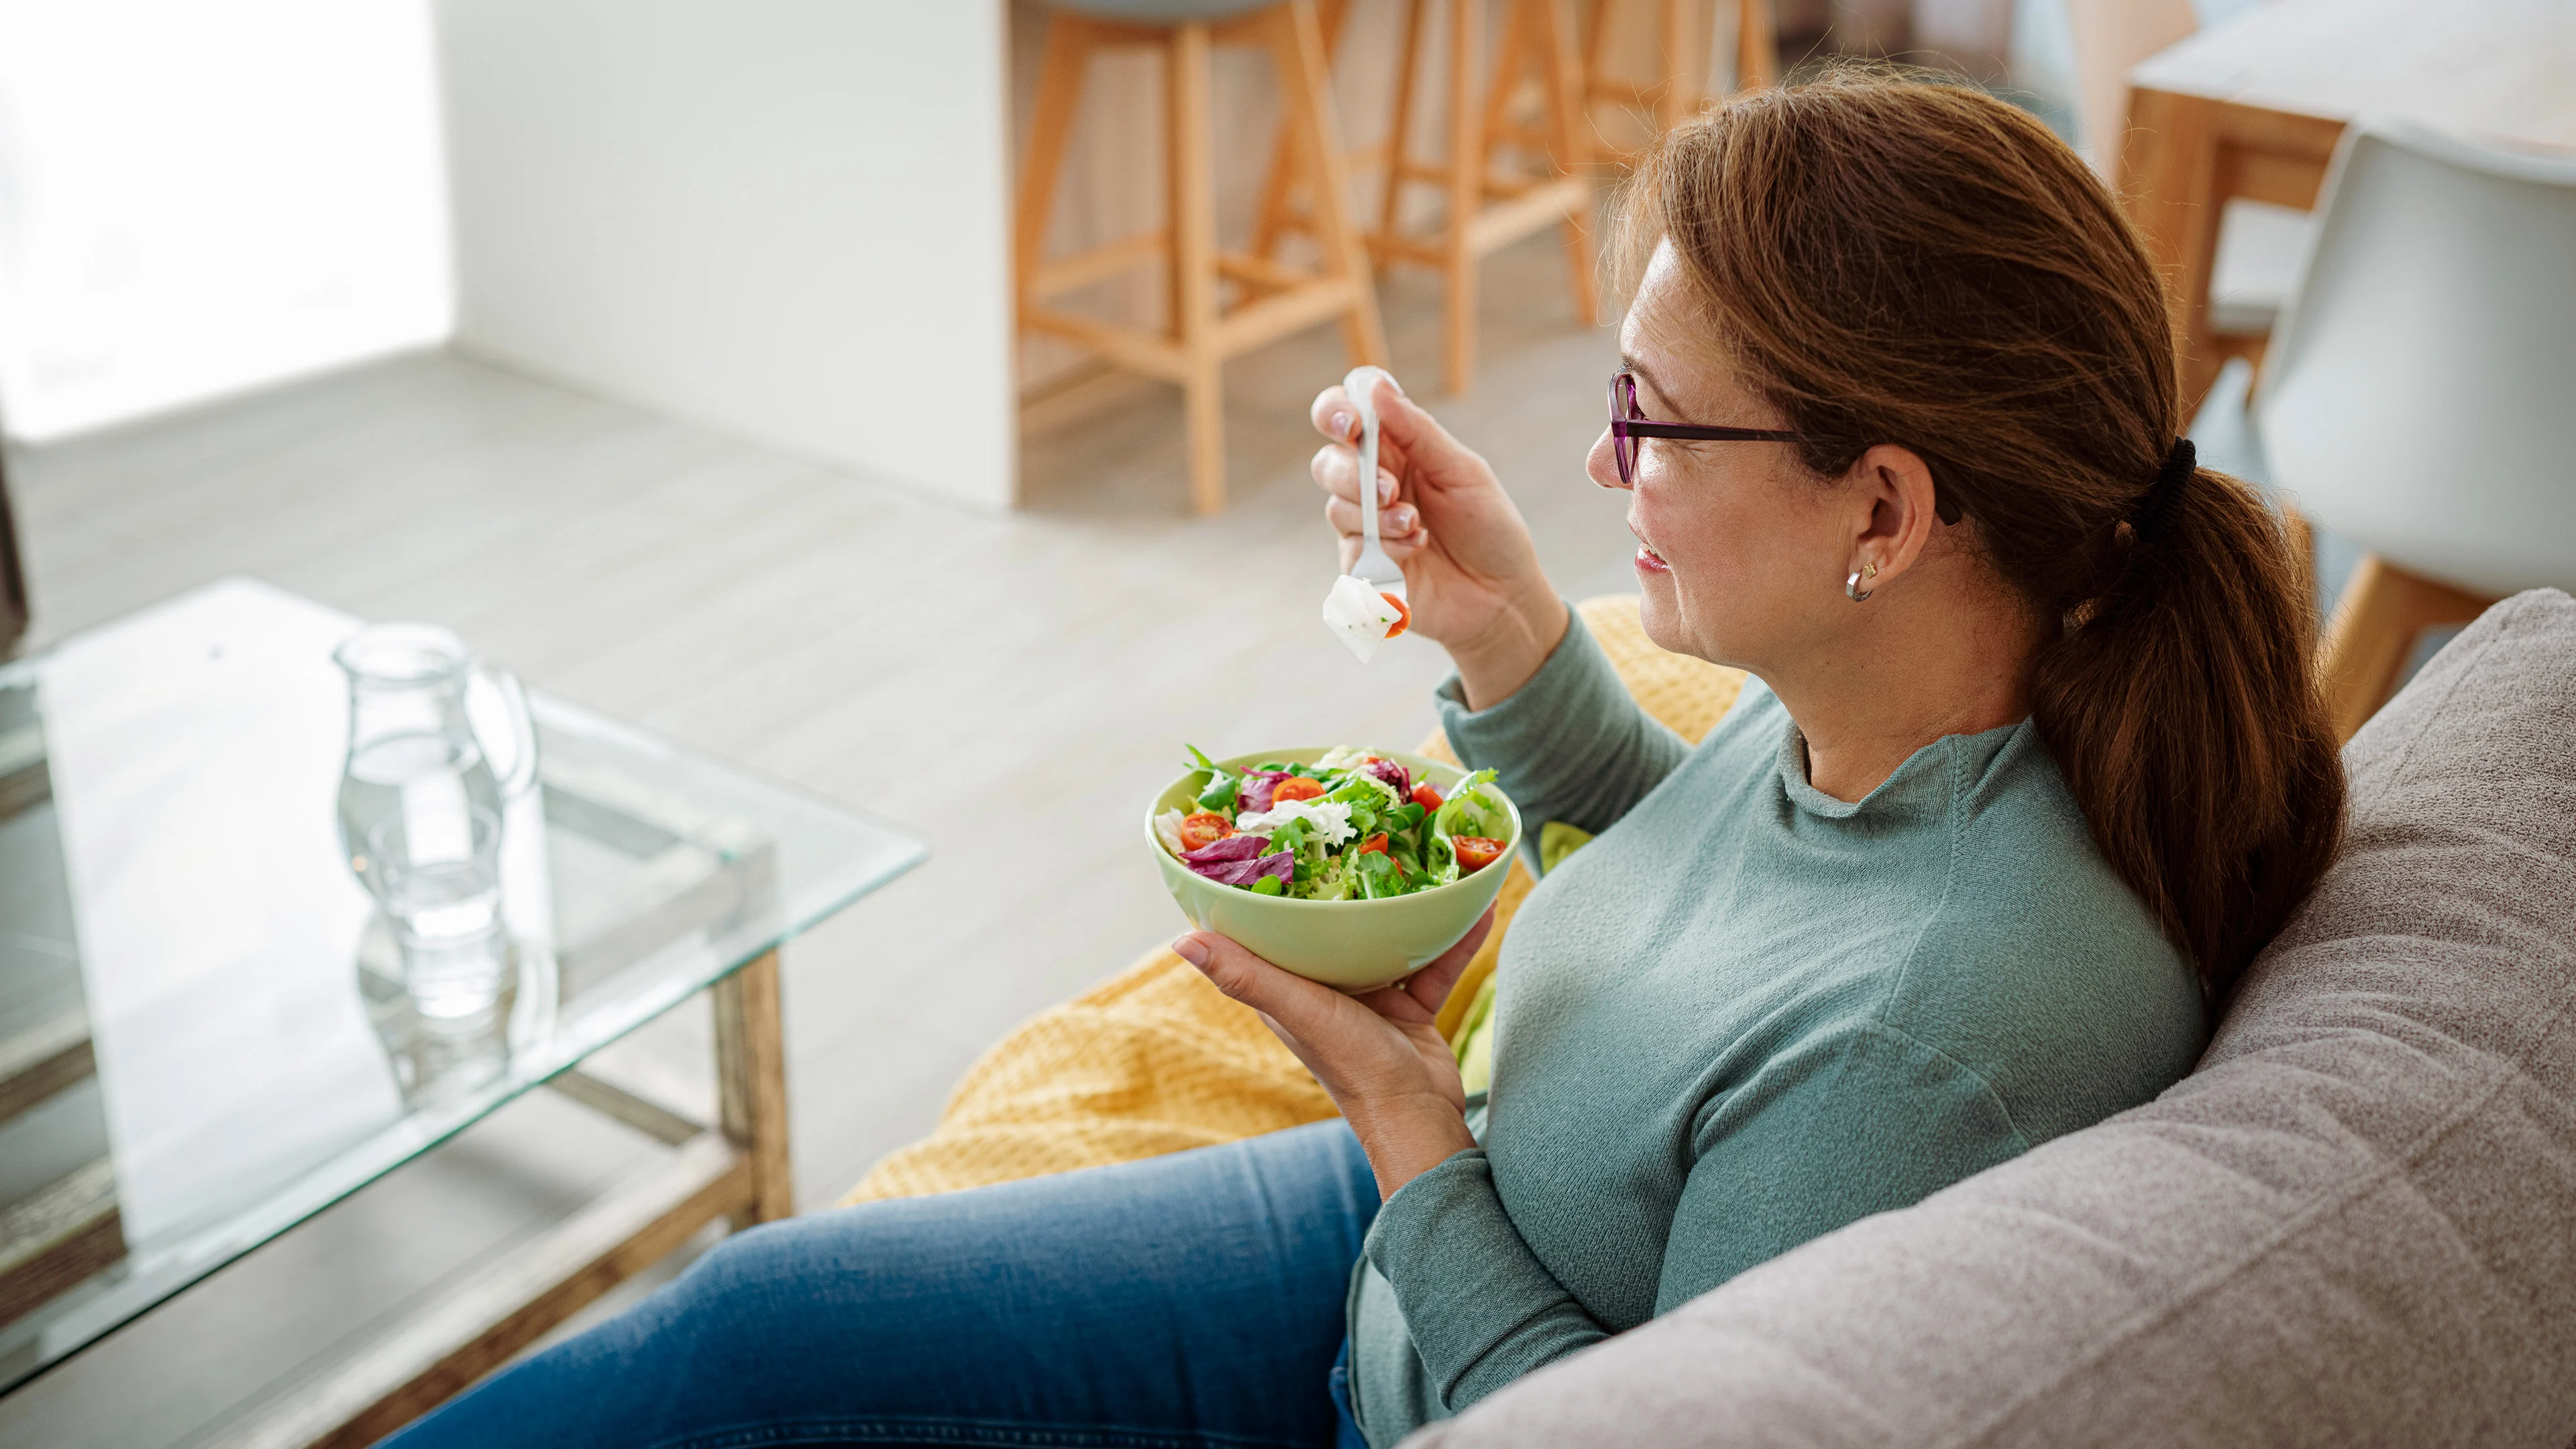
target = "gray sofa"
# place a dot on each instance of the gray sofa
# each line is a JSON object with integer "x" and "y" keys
{"x": 2354, "y": 1223}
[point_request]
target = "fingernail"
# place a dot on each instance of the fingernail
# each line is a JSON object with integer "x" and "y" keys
{"x": 1400, "y": 520}
{"x": 1191, "y": 949}
{"x": 1385, "y": 486}
{"x": 1341, "y": 425}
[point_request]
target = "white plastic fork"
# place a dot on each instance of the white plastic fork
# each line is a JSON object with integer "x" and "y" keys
{"x": 1372, "y": 567}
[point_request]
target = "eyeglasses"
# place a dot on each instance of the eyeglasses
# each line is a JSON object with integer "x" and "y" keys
{"x": 1627, "y": 425}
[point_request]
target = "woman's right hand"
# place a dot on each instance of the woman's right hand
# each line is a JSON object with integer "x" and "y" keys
{"x": 1471, "y": 573}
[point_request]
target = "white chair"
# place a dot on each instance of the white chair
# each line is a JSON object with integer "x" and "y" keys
{"x": 2419, "y": 395}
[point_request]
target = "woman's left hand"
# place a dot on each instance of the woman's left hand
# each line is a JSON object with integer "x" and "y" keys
{"x": 1378, "y": 1053}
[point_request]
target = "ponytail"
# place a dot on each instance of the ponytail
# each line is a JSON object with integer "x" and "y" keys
{"x": 2182, "y": 710}
{"x": 1900, "y": 261}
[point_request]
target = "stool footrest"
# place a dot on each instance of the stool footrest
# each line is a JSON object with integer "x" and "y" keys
{"x": 1082, "y": 268}
{"x": 1263, "y": 273}
{"x": 1256, "y": 323}
{"x": 1626, "y": 93}
{"x": 1567, "y": 198}
{"x": 1530, "y": 208}
{"x": 1132, "y": 348}
{"x": 1298, "y": 305}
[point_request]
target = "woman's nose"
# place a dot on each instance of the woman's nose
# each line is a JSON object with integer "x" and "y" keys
{"x": 1602, "y": 463}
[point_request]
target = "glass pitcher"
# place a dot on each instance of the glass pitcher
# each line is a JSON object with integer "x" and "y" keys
{"x": 414, "y": 751}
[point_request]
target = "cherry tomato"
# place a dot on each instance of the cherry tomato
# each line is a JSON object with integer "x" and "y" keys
{"x": 1403, "y": 616}
{"x": 1475, "y": 852}
{"x": 1295, "y": 787}
{"x": 1426, "y": 797}
{"x": 1202, "y": 830}
{"x": 1375, "y": 842}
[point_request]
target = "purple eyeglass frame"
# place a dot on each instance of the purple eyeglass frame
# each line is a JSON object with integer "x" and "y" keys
{"x": 1627, "y": 424}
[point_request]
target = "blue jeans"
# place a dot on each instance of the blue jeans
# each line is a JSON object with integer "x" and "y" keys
{"x": 1182, "y": 1301}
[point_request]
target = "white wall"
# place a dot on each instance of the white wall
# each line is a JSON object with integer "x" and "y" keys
{"x": 786, "y": 219}
{"x": 198, "y": 198}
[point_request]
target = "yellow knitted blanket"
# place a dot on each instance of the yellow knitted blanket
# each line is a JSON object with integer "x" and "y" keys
{"x": 1155, "y": 1060}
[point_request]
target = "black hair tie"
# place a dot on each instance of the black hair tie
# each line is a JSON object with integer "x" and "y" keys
{"x": 2157, "y": 503}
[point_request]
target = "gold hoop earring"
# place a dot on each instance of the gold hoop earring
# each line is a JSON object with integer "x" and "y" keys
{"x": 1851, "y": 586}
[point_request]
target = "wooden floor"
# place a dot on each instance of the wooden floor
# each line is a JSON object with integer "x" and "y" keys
{"x": 1011, "y": 688}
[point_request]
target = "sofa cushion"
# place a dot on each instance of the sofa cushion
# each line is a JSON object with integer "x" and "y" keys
{"x": 2354, "y": 1223}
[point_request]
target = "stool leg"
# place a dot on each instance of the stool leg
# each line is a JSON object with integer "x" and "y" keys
{"x": 1599, "y": 26}
{"x": 1274, "y": 219}
{"x": 1297, "y": 43}
{"x": 1191, "y": 200}
{"x": 1680, "y": 97}
{"x": 1466, "y": 195}
{"x": 1595, "y": 36}
{"x": 1399, "y": 153}
{"x": 1510, "y": 60}
{"x": 1068, "y": 54}
{"x": 1573, "y": 147}
{"x": 1275, "y": 216}
{"x": 1757, "y": 44}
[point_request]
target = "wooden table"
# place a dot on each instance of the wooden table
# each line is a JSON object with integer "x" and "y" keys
{"x": 2254, "y": 108}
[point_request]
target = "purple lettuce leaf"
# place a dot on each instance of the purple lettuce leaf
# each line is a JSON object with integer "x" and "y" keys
{"x": 1245, "y": 873}
{"x": 1254, "y": 796}
{"x": 1392, "y": 773}
{"x": 1243, "y": 869}
{"x": 1233, "y": 847}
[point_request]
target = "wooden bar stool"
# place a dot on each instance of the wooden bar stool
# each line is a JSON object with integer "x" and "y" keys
{"x": 1272, "y": 300}
{"x": 1484, "y": 210}
{"x": 1682, "y": 47}
{"x": 1285, "y": 207}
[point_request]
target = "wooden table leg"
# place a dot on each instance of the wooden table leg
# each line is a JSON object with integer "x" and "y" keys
{"x": 436, "y": 1349}
{"x": 2169, "y": 184}
{"x": 751, "y": 1082}
{"x": 2384, "y": 611}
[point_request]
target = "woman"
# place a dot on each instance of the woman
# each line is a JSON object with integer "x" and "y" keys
{"x": 2033, "y": 766}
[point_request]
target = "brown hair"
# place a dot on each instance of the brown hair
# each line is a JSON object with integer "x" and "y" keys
{"x": 1895, "y": 260}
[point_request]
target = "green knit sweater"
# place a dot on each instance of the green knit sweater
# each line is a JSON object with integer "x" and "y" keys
{"x": 1748, "y": 1014}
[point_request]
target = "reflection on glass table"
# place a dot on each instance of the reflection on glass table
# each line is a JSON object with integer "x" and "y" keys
{"x": 205, "y": 1031}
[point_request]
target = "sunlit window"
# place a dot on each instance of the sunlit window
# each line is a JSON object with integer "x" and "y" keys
{"x": 200, "y": 197}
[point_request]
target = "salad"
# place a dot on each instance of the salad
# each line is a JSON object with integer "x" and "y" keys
{"x": 1351, "y": 826}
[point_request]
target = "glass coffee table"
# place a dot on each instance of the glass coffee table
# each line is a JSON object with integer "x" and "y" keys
{"x": 204, "y": 1038}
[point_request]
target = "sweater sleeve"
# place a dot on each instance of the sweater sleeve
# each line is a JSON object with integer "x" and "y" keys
{"x": 1569, "y": 745}
{"x": 1853, "y": 1122}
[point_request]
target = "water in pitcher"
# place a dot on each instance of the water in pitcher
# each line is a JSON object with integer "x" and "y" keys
{"x": 432, "y": 780}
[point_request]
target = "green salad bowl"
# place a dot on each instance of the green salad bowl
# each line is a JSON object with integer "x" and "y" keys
{"x": 1350, "y": 944}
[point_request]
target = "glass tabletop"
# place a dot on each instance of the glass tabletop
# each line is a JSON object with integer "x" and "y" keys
{"x": 204, "y": 1035}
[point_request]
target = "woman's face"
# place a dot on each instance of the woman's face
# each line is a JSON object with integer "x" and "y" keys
{"x": 1742, "y": 550}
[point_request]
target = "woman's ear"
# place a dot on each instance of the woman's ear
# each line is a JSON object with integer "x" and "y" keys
{"x": 1892, "y": 516}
